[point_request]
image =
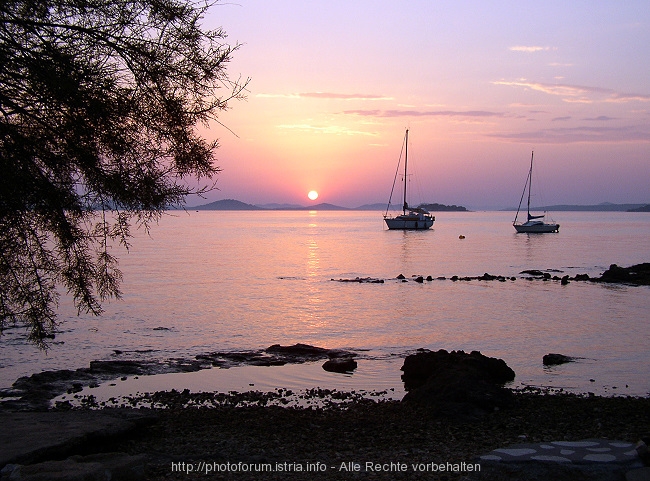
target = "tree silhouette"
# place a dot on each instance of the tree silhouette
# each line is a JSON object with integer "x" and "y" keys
{"x": 100, "y": 101}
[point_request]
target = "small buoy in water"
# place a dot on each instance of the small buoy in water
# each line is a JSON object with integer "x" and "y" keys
{"x": 461, "y": 236}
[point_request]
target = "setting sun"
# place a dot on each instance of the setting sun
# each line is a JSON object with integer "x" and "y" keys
{"x": 313, "y": 195}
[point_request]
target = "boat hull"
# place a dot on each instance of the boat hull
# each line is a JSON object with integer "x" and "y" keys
{"x": 406, "y": 223}
{"x": 537, "y": 228}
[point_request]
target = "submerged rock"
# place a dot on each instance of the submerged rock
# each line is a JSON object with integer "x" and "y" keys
{"x": 553, "y": 359}
{"x": 117, "y": 367}
{"x": 532, "y": 272}
{"x": 361, "y": 280}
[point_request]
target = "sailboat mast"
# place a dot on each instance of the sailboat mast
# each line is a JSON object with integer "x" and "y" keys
{"x": 406, "y": 159}
{"x": 530, "y": 181}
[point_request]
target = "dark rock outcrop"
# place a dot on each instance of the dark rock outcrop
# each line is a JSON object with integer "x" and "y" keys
{"x": 342, "y": 365}
{"x": 36, "y": 391}
{"x": 457, "y": 383}
{"x": 227, "y": 359}
{"x": 537, "y": 274}
{"x": 298, "y": 353}
{"x": 638, "y": 274}
{"x": 487, "y": 277}
{"x": 426, "y": 365}
{"x": 297, "y": 350}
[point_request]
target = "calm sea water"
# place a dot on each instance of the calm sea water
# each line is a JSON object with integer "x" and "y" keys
{"x": 247, "y": 280}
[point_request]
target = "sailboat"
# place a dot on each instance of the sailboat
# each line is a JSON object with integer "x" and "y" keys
{"x": 534, "y": 223}
{"x": 412, "y": 218}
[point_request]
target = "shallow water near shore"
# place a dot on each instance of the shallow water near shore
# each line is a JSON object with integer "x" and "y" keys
{"x": 229, "y": 281}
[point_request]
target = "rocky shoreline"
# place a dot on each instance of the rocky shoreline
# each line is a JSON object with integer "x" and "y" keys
{"x": 638, "y": 275}
{"x": 36, "y": 392}
{"x": 456, "y": 410}
{"x": 380, "y": 432}
{"x": 161, "y": 444}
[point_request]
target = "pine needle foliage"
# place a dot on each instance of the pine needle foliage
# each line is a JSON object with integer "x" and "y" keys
{"x": 100, "y": 106}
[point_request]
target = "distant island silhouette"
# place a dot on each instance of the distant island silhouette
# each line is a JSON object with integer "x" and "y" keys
{"x": 443, "y": 208}
{"x": 232, "y": 204}
{"x": 602, "y": 207}
{"x": 227, "y": 204}
{"x": 643, "y": 208}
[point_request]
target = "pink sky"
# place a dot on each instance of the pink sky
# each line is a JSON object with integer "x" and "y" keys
{"x": 479, "y": 84}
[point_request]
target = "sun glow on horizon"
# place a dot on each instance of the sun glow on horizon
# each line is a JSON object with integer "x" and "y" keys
{"x": 335, "y": 123}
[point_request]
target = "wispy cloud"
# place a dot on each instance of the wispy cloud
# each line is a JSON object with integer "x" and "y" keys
{"x": 326, "y": 95}
{"x": 567, "y": 135}
{"x": 330, "y": 95}
{"x": 561, "y": 119}
{"x": 576, "y": 93}
{"x": 424, "y": 113}
{"x": 528, "y": 49}
{"x": 278, "y": 96}
{"x": 602, "y": 118}
{"x": 563, "y": 90}
{"x": 326, "y": 129}
{"x": 629, "y": 98}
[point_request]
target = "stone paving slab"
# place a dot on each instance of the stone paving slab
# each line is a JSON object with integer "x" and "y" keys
{"x": 29, "y": 437}
{"x": 577, "y": 452}
{"x": 584, "y": 460}
{"x": 95, "y": 467}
